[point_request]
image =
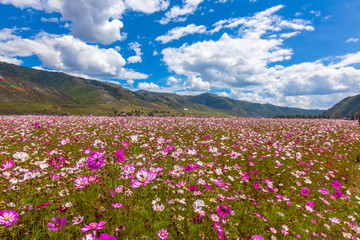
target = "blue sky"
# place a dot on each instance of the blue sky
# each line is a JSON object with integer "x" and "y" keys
{"x": 291, "y": 53}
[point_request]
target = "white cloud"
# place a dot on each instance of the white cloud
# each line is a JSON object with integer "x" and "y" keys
{"x": 196, "y": 84}
{"x": 148, "y": 86}
{"x": 172, "y": 80}
{"x": 316, "y": 13}
{"x": 69, "y": 54}
{"x": 352, "y": 40}
{"x": 52, "y": 19}
{"x": 147, "y": 6}
{"x": 178, "y": 14}
{"x": 93, "y": 21}
{"x": 244, "y": 64}
{"x": 137, "y": 58}
{"x": 10, "y": 60}
{"x": 179, "y": 32}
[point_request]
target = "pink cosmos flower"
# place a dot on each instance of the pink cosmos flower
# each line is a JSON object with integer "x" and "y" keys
{"x": 336, "y": 184}
{"x": 77, "y": 220}
{"x": 163, "y": 234}
{"x": 324, "y": 191}
{"x": 81, "y": 182}
{"x": 117, "y": 205}
{"x": 7, "y": 164}
{"x": 95, "y": 161}
{"x": 305, "y": 191}
{"x": 143, "y": 177}
{"x": 104, "y": 236}
{"x": 256, "y": 184}
{"x": 93, "y": 226}
{"x": 119, "y": 155}
{"x": 338, "y": 193}
{"x": 56, "y": 224}
{"x": 257, "y": 237}
{"x": 7, "y": 217}
{"x": 223, "y": 210}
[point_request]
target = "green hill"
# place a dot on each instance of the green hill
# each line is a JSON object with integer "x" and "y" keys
{"x": 49, "y": 92}
{"x": 345, "y": 108}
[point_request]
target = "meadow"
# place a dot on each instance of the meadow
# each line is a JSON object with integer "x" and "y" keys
{"x": 178, "y": 178}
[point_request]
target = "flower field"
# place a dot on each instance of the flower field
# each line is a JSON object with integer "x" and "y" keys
{"x": 178, "y": 178}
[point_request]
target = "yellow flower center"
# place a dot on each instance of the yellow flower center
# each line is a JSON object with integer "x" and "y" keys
{"x": 93, "y": 225}
{"x": 6, "y": 218}
{"x": 162, "y": 234}
{"x": 143, "y": 180}
{"x": 57, "y": 224}
{"x": 82, "y": 183}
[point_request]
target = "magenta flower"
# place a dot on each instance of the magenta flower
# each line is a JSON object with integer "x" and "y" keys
{"x": 95, "y": 161}
{"x": 338, "y": 193}
{"x": 336, "y": 184}
{"x": 305, "y": 191}
{"x": 257, "y": 237}
{"x": 119, "y": 155}
{"x": 256, "y": 184}
{"x": 93, "y": 226}
{"x": 324, "y": 191}
{"x": 143, "y": 177}
{"x": 117, "y": 205}
{"x": 163, "y": 234}
{"x": 223, "y": 210}
{"x": 7, "y": 164}
{"x": 56, "y": 224}
{"x": 7, "y": 217}
{"x": 104, "y": 236}
{"x": 81, "y": 182}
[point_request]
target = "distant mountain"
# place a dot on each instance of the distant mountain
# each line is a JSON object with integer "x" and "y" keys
{"x": 345, "y": 108}
{"x": 29, "y": 91}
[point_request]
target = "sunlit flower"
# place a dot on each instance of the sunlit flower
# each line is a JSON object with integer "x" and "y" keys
{"x": 163, "y": 234}
{"x": 93, "y": 226}
{"x": 77, "y": 220}
{"x": 7, "y": 217}
{"x": 56, "y": 224}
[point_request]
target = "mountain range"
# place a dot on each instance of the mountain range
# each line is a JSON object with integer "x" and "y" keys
{"x": 29, "y": 91}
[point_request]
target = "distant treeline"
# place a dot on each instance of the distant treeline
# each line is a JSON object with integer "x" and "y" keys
{"x": 319, "y": 116}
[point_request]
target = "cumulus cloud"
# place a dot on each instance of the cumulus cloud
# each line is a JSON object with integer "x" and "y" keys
{"x": 179, "y": 32}
{"x": 93, "y": 21}
{"x": 250, "y": 64}
{"x": 179, "y": 14}
{"x": 172, "y": 80}
{"x": 148, "y": 86}
{"x": 10, "y": 60}
{"x": 196, "y": 84}
{"x": 147, "y": 6}
{"x": 69, "y": 54}
{"x": 137, "y": 58}
{"x": 52, "y": 19}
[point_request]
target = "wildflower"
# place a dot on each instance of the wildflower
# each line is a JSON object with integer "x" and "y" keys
{"x": 143, "y": 177}
{"x": 95, "y": 161}
{"x": 11, "y": 204}
{"x": 336, "y": 184}
{"x": 7, "y": 217}
{"x": 104, "y": 236}
{"x": 305, "y": 191}
{"x": 158, "y": 207}
{"x": 215, "y": 217}
{"x": 81, "y": 182}
{"x": 119, "y": 155}
{"x": 257, "y": 237}
{"x": 117, "y": 205}
{"x": 7, "y": 164}
{"x": 338, "y": 193}
{"x": 223, "y": 210}
{"x": 68, "y": 204}
{"x": 256, "y": 184}
{"x": 273, "y": 230}
{"x": 56, "y": 224}
{"x": 347, "y": 235}
{"x": 77, "y": 219}
{"x": 324, "y": 191}
{"x": 93, "y": 226}
{"x": 163, "y": 234}
{"x": 119, "y": 189}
